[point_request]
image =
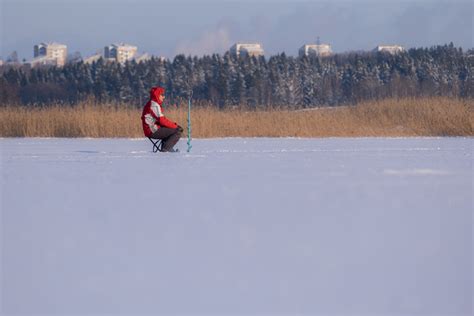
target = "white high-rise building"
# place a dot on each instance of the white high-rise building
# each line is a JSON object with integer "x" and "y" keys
{"x": 315, "y": 50}
{"x": 50, "y": 54}
{"x": 254, "y": 49}
{"x": 392, "y": 49}
{"x": 120, "y": 52}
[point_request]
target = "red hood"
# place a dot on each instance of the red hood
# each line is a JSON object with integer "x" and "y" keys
{"x": 155, "y": 92}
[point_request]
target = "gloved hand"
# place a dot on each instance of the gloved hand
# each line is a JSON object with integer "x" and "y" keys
{"x": 180, "y": 129}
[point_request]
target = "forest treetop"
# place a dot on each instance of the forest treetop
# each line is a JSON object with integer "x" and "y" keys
{"x": 227, "y": 81}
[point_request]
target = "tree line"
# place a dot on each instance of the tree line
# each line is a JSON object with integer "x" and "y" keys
{"x": 228, "y": 81}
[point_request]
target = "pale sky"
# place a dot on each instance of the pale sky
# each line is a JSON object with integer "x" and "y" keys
{"x": 167, "y": 28}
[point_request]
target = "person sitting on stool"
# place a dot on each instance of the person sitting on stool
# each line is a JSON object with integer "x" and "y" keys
{"x": 156, "y": 125}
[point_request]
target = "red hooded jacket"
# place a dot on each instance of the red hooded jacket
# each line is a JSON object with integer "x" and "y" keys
{"x": 152, "y": 115}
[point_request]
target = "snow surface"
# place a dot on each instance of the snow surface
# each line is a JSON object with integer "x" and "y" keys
{"x": 239, "y": 226}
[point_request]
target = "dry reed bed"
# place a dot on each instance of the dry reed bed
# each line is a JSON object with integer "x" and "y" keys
{"x": 406, "y": 117}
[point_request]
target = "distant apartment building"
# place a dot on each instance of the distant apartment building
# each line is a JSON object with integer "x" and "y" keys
{"x": 315, "y": 50}
{"x": 49, "y": 54}
{"x": 1, "y": 62}
{"x": 107, "y": 56}
{"x": 120, "y": 52}
{"x": 392, "y": 49}
{"x": 241, "y": 49}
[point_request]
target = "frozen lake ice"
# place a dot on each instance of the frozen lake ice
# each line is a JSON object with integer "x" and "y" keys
{"x": 242, "y": 226}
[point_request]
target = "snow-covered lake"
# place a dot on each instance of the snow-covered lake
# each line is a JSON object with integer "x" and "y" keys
{"x": 368, "y": 226}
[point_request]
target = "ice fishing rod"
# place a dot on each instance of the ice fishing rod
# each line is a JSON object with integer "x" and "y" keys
{"x": 189, "y": 121}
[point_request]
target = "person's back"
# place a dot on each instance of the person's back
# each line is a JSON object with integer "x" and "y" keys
{"x": 156, "y": 125}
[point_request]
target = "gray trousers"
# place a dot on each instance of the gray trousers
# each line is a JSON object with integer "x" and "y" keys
{"x": 169, "y": 137}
